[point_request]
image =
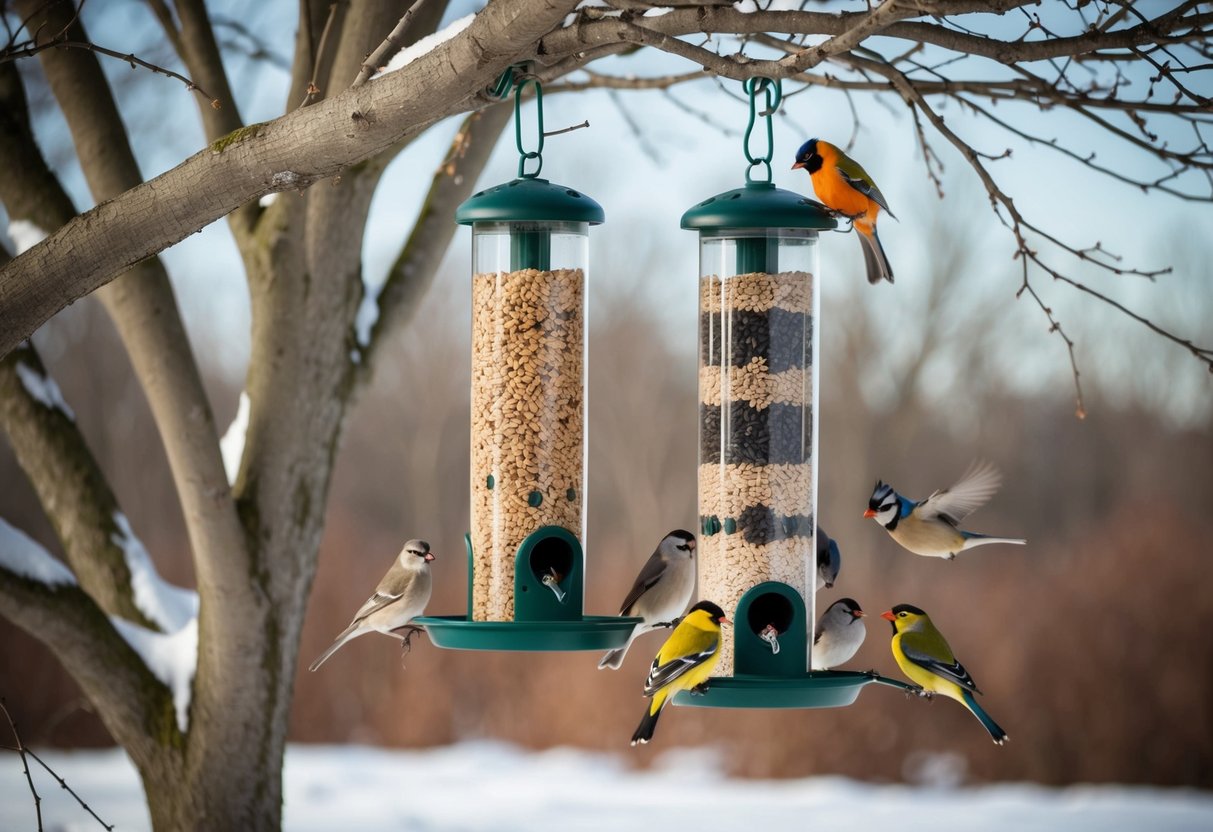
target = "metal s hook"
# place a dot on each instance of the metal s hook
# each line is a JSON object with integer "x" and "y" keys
{"x": 772, "y": 91}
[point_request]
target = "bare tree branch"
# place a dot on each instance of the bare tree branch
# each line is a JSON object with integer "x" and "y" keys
{"x": 288, "y": 153}
{"x": 413, "y": 271}
{"x": 78, "y": 500}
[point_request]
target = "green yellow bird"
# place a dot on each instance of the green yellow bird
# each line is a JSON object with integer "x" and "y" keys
{"x": 924, "y": 656}
{"x": 685, "y": 661}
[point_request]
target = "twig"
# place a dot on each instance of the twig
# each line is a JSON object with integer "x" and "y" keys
{"x": 133, "y": 60}
{"x": 583, "y": 125}
{"x": 312, "y": 90}
{"x": 392, "y": 44}
{"x": 21, "y": 751}
{"x": 109, "y": 827}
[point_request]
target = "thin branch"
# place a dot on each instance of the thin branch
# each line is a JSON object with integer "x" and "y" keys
{"x": 392, "y": 44}
{"x": 21, "y": 750}
{"x": 133, "y": 60}
{"x": 109, "y": 827}
{"x": 562, "y": 130}
{"x": 312, "y": 90}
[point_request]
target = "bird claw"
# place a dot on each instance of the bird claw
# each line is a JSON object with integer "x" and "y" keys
{"x": 925, "y": 694}
{"x": 406, "y": 634}
{"x": 700, "y": 689}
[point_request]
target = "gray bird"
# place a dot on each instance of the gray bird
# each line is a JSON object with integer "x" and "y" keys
{"x": 661, "y": 592}
{"x": 829, "y": 560}
{"x": 839, "y": 633}
{"x": 400, "y": 597}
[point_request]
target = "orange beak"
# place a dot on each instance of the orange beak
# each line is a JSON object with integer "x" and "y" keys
{"x": 887, "y": 615}
{"x": 798, "y": 165}
{"x": 724, "y": 620}
{"x": 869, "y": 513}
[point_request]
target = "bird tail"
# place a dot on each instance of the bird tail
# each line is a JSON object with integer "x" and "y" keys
{"x": 614, "y": 658}
{"x": 873, "y": 255}
{"x": 350, "y": 632}
{"x": 973, "y": 539}
{"x": 644, "y": 732}
{"x": 997, "y": 734}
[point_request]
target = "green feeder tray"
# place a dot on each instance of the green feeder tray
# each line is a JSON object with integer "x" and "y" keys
{"x": 765, "y": 679}
{"x": 544, "y": 620}
{"x": 819, "y": 689}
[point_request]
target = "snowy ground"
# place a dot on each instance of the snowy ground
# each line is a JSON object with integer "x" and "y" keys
{"x": 489, "y": 786}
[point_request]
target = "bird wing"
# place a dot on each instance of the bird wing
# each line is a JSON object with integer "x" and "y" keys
{"x": 649, "y": 575}
{"x": 703, "y": 646}
{"x": 957, "y": 502}
{"x": 932, "y": 654}
{"x": 392, "y": 588}
{"x": 858, "y": 179}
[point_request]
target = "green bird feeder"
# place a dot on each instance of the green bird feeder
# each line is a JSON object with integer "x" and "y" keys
{"x": 758, "y": 391}
{"x": 526, "y": 561}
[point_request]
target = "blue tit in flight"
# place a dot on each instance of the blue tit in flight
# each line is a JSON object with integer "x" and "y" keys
{"x": 931, "y": 527}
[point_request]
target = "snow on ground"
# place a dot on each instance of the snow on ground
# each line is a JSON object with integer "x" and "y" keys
{"x": 21, "y": 554}
{"x": 492, "y": 786}
{"x": 170, "y": 607}
{"x": 171, "y": 657}
{"x": 231, "y": 446}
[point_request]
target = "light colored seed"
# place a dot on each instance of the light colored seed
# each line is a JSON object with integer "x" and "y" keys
{"x": 527, "y": 420}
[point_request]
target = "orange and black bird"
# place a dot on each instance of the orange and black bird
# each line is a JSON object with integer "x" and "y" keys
{"x": 843, "y": 186}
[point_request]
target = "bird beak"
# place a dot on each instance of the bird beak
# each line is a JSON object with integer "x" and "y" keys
{"x": 726, "y": 621}
{"x": 798, "y": 165}
{"x": 691, "y": 545}
{"x": 859, "y": 614}
{"x": 829, "y": 584}
{"x": 887, "y": 615}
{"x": 428, "y": 557}
{"x": 869, "y": 513}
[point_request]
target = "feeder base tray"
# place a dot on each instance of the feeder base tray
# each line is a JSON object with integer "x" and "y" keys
{"x": 818, "y": 689}
{"x": 592, "y": 632}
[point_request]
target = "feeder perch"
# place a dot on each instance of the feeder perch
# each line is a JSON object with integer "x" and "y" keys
{"x": 758, "y": 391}
{"x": 526, "y": 563}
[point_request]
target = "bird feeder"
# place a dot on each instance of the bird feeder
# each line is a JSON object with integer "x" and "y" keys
{"x": 759, "y": 303}
{"x": 526, "y": 563}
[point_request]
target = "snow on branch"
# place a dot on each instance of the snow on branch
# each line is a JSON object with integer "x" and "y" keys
{"x": 427, "y": 44}
{"x": 171, "y": 658}
{"x": 43, "y": 388}
{"x": 231, "y": 446}
{"x": 169, "y": 607}
{"x": 22, "y": 556}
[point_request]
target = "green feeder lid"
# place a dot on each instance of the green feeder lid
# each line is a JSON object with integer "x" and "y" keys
{"x": 758, "y": 205}
{"x": 529, "y": 200}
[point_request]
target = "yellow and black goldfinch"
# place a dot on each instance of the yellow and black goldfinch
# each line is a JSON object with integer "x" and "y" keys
{"x": 924, "y": 656}
{"x": 685, "y": 661}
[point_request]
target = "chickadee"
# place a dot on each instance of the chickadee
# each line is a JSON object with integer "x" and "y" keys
{"x": 840, "y": 632}
{"x": 931, "y": 527}
{"x": 829, "y": 560}
{"x": 685, "y": 661}
{"x": 924, "y": 656}
{"x": 661, "y": 592}
{"x": 400, "y": 597}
